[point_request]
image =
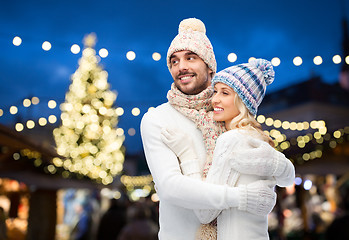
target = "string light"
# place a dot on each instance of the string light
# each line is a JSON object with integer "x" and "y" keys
{"x": 88, "y": 116}
{"x": 13, "y": 110}
{"x": 52, "y": 104}
{"x": 297, "y": 61}
{"x": 17, "y": 41}
{"x": 251, "y": 59}
{"x": 46, "y": 46}
{"x": 35, "y": 100}
{"x": 317, "y": 60}
{"x": 135, "y": 111}
{"x": 156, "y": 56}
{"x": 130, "y": 55}
{"x": 26, "y": 102}
{"x": 232, "y": 57}
{"x": 75, "y": 49}
{"x": 136, "y": 181}
{"x": 103, "y": 53}
{"x": 276, "y": 61}
{"x": 337, "y": 59}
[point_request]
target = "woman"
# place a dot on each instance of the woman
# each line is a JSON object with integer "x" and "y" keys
{"x": 232, "y": 159}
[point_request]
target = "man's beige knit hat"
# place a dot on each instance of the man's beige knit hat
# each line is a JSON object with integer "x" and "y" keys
{"x": 192, "y": 37}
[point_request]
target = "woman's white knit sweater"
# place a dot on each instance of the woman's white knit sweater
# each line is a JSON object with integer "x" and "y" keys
{"x": 233, "y": 224}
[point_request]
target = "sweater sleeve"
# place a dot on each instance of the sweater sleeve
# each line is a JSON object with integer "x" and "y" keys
{"x": 259, "y": 158}
{"x": 286, "y": 176}
{"x": 170, "y": 184}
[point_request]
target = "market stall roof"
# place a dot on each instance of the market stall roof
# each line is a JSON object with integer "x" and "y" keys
{"x": 22, "y": 159}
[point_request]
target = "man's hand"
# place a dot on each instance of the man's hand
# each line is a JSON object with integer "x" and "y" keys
{"x": 182, "y": 145}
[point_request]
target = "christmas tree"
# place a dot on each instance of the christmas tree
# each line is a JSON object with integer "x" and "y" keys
{"x": 88, "y": 139}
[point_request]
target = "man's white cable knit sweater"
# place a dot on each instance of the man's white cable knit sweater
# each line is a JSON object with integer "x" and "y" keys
{"x": 179, "y": 194}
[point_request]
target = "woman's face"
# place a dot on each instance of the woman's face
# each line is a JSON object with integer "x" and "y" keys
{"x": 223, "y": 102}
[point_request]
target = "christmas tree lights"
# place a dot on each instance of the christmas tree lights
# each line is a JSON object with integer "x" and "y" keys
{"x": 87, "y": 138}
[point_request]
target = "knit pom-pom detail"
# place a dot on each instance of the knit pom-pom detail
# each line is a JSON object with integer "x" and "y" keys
{"x": 192, "y": 24}
{"x": 267, "y": 69}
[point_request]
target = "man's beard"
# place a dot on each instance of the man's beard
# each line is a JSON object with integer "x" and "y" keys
{"x": 195, "y": 90}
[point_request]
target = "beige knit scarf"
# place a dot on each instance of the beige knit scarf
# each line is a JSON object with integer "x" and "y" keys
{"x": 198, "y": 108}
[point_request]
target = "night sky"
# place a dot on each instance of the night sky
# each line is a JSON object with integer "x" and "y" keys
{"x": 266, "y": 29}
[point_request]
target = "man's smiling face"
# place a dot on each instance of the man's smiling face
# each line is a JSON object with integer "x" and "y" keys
{"x": 190, "y": 73}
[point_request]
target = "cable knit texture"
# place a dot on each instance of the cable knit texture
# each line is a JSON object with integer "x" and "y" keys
{"x": 178, "y": 194}
{"x": 192, "y": 37}
{"x": 198, "y": 109}
{"x": 253, "y": 197}
{"x": 249, "y": 81}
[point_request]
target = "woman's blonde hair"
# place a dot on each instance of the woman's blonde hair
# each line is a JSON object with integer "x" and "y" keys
{"x": 246, "y": 120}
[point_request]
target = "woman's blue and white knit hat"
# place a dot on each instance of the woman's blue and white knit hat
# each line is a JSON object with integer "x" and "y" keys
{"x": 249, "y": 81}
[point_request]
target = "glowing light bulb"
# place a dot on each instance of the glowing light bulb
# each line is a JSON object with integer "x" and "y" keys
{"x": 251, "y": 59}
{"x": 52, "y": 119}
{"x": 46, "y": 46}
{"x": 130, "y": 55}
{"x": 119, "y": 111}
{"x": 103, "y": 53}
{"x": 136, "y": 111}
{"x": 261, "y": 119}
{"x": 52, "y": 104}
{"x": 307, "y": 184}
{"x": 232, "y": 57}
{"x": 35, "y": 100}
{"x": 317, "y": 60}
{"x": 297, "y": 61}
{"x": 13, "y": 110}
{"x": 17, "y": 41}
{"x": 337, "y": 59}
{"x": 276, "y": 61}
{"x": 75, "y": 49}
{"x": 30, "y": 124}
{"x": 156, "y": 56}
{"x": 42, "y": 121}
{"x": 19, "y": 127}
{"x": 298, "y": 181}
{"x": 26, "y": 102}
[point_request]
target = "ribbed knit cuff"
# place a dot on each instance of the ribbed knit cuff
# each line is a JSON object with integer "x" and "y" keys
{"x": 280, "y": 161}
{"x": 190, "y": 167}
{"x": 242, "y": 198}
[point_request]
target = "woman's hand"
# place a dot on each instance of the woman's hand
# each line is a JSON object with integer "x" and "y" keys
{"x": 261, "y": 159}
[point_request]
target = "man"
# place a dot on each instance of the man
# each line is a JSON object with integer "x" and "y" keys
{"x": 192, "y": 64}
